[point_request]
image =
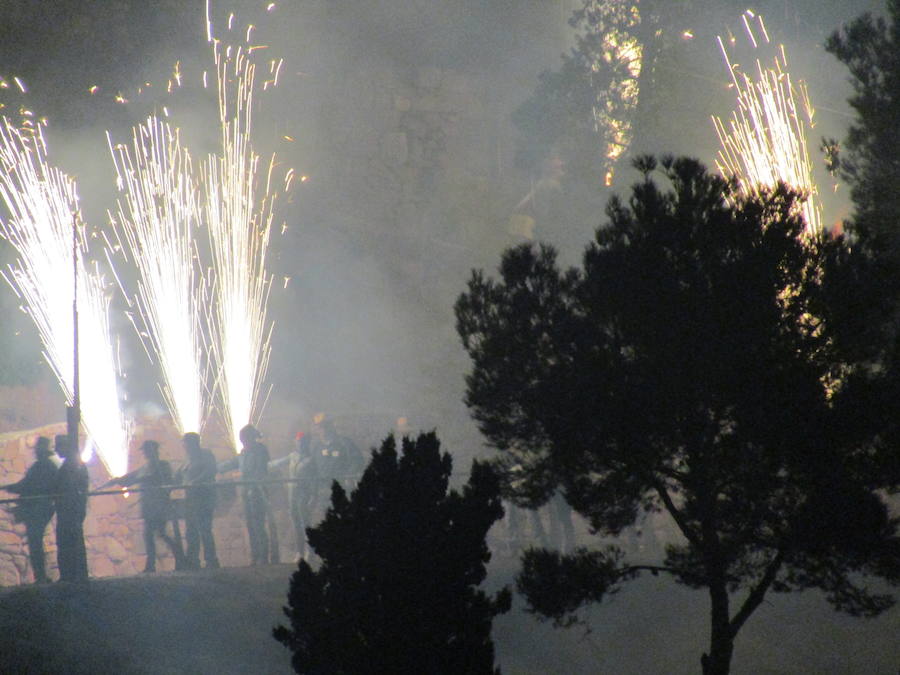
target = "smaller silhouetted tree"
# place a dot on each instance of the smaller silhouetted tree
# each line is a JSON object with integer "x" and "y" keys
{"x": 870, "y": 160}
{"x": 402, "y": 558}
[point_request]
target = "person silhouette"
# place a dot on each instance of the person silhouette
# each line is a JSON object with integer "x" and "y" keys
{"x": 156, "y": 506}
{"x": 199, "y": 476}
{"x": 70, "y": 496}
{"x": 36, "y": 507}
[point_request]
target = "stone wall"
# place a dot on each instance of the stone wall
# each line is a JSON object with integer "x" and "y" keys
{"x": 113, "y": 528}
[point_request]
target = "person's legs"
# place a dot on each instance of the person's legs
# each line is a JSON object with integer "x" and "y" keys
{"x": 254, "y": 533}
{"x": 34, "y": 531}
{"x": 150, "y": 527}
{"x": 272, "y": 532}
{"x": 210, "y": 559}
{"x": 299, "y": 527}
{"x": 64, "y": 549}
{"x": 173, "y": 544}
{"x": 192, "y": 534}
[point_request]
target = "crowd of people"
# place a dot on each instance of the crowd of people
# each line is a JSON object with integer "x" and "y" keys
{"x": 57, "y": 483}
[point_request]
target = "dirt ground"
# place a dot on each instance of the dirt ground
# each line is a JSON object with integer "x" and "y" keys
{"x": 220, "y": 622}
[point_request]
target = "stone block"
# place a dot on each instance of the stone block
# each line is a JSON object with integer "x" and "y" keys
{"x": 105, "y": 505}
{"x": 117, "y": 553}
{"x": 101, "y": 566}
{"x": 10, "y": 539}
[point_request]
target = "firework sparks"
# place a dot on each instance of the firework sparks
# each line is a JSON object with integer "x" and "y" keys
{"x": 622, "y": 53}
{"x": 155, "y": 221}
{"x": 765, "y": 139}
{"x": 238, "y": 215}
{"x": 42, "y": 201}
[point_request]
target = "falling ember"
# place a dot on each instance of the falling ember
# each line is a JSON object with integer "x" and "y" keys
{"x": 765, "y": 139}
{"x": 42, "y": 202}
{"x": 156, "y": 218}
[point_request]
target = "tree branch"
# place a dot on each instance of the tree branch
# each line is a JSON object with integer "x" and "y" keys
{"x": 676, "y": 514}
{"x": 758, "y": 592}
{"x": 653, "y": 569}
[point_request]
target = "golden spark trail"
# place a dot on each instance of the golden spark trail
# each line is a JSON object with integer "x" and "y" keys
{"x": 238, "y": 209}
{"x": 41, "y": 202}
{"x": 155, "y": 222}
{"x": 765, "y": 139}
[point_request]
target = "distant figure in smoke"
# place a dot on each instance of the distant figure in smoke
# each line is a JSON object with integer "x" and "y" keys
{"x": 34, "y": 511}
{"x": 337, "y": 457}
{"x": 198, "y": 475}
{"x": 253, "y": 462}
{"x": 156, "y": 505}
{"x": 301, "y": 468}
{"x": 70, "y": 489}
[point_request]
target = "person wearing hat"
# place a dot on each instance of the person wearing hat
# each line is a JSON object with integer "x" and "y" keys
{"x": 253, "y": 462}
{"x": 156, "y": 506}
{"x": 36, "y": 508}
{"x": 70, "y": 493}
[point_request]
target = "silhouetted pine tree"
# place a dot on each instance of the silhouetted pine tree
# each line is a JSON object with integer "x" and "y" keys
{"x": 401, "y": 562}
{"x": 707, "y": 362}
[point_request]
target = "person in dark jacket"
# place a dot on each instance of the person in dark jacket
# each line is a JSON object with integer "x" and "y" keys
{"x": 253, "y": 462}
{"x": 337, "y": 458}
{"x": 34, "y": 510}
{"x": 156, "y": 505}
{"x": 70, "y": 496}
{"x": 199, "y": 476}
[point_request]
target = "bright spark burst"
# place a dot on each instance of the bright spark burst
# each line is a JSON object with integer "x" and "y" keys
{"x": 238, "y": 215}
{"x": 41, "y": 202}
{"x": 155, "y": 221}
{"x": 622, "y": 52}
{"x": 765, "y": 139}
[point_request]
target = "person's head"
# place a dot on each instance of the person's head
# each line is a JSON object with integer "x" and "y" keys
{"x": 322, "y": 426}
{"x": 42, "y": 448}
{"x": 150, "y": 449}
{"x": 191, "y": 441}
{"x": 249, "y": 434}
{"x": 61, "y": 444}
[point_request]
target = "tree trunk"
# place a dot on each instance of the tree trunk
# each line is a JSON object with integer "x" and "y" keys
{"x": 721, "y": 641}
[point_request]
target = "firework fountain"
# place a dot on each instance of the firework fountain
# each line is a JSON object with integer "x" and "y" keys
{"x": 764, "y": 141}
{"x": 154, "y": 225}
{"x": 238, "y": 209}
{"x": 43, "y": 208}
{"x": 196, "y": 320}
